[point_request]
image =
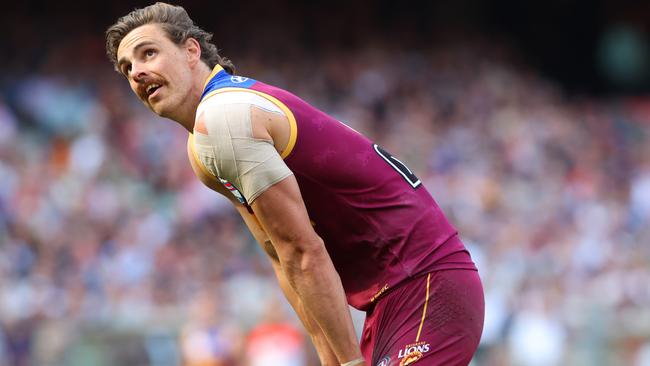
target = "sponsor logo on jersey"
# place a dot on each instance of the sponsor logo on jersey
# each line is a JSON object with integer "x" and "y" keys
{"x": 379, "y": 293}
{"x": 413, "y": 352}
{"x": 238, "y": 79}
{"x": 384, "y": 361}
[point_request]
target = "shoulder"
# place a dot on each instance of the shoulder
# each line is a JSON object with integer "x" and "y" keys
{"x": 244, "y": 114}
{"x": 236, "y": 96}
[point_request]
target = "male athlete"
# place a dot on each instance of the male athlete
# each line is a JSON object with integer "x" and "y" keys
{"x": 342, "y": 220}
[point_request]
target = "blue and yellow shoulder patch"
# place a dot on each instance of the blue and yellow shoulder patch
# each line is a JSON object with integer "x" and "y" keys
{"x": 224, "y": 80}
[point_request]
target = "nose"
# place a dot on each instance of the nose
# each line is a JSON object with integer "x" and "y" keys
{"x": 138, "y": 72}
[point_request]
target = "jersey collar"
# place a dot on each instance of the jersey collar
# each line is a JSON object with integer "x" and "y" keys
{"x": 217, "y": 69}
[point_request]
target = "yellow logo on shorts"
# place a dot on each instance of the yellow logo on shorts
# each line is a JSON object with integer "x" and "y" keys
{"x": 413, "y": 352}
{"x": 411, "y": 358}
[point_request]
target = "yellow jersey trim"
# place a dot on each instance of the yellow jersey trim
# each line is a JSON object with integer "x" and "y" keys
{"x": 195, "y": 156}
{"x": 424, "y": 312}
{"x": 287, "y": 112}
{"x": 214, "y": 72}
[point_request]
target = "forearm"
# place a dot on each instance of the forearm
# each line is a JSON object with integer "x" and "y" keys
{"x": 325, "y": 353}
{"x": 315, "y": 281}
{"x": 307, "y": 265}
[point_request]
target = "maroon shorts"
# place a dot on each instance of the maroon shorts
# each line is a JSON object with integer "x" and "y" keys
{"x": 435, "y": 319}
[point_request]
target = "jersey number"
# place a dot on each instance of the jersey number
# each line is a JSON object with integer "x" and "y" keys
{"x": 400, "y": 167}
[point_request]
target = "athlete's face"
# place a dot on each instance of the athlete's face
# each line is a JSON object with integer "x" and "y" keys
{"x": 158, "y": 70}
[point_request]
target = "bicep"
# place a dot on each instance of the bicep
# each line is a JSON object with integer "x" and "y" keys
{"x": 283, "y": 216}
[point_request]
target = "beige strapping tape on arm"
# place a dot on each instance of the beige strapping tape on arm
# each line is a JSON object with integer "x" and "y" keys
{"x": 252, "y": 165}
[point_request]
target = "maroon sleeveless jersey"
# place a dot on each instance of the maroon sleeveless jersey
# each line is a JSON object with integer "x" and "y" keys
{"x": 379, "y": 223}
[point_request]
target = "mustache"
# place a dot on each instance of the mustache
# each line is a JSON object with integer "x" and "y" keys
{"x": 144, "y": 84}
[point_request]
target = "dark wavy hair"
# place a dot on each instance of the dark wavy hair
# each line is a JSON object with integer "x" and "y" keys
{"x": 176, "y": 23}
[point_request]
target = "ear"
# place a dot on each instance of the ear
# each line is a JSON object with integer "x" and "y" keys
{"x": 193, "y": 51}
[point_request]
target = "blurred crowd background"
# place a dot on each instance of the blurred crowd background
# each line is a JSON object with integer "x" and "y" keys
{"x": 528, "y": 121}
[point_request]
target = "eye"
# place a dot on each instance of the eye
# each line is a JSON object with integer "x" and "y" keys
{"x": 149, "y": 53}
{"x": 126, "y": 69}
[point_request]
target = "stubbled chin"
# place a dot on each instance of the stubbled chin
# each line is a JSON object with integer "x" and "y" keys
{"x": 155, "y": 107}
{"x": 162, "y": 110}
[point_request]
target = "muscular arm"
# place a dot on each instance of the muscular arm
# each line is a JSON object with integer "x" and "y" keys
{"x": 303, "y": 265}
{"x": 323, "y": 349}
{"x": 307, "y": 266}
{"x": 302, "y": 258}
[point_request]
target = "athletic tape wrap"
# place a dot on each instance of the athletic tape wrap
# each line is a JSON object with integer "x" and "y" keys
{"x": 252, "y": 165}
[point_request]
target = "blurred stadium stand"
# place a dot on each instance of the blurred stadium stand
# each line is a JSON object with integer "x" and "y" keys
{"x": 528, "y": 121}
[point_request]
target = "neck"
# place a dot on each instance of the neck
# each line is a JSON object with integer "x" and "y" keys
{"x": 187, "y": 117}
